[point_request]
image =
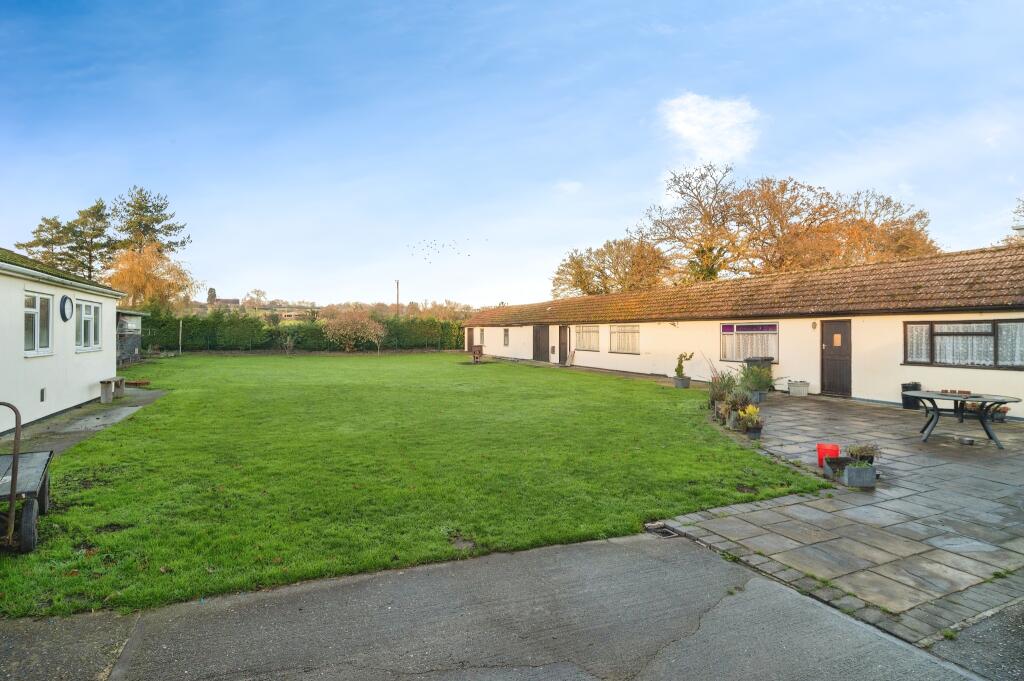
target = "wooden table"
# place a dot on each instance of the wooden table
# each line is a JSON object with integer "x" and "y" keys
{"x": 987, "y": 404}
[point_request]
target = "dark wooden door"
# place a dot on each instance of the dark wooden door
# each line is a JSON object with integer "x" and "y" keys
{"x": 469, "y": 339}
{"x": 563, "y": 345}
{"x": 540, "y": 343}
{"x": 836, "y": 358}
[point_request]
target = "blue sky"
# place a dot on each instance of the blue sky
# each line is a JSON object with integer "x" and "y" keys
{"x": 315, "y": 148}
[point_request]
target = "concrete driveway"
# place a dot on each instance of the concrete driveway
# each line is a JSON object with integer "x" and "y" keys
{"x": 638, "y": 608}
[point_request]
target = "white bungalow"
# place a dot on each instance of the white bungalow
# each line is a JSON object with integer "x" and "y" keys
{"x": 949, "y": 321}
{"x": 58, "y": 337}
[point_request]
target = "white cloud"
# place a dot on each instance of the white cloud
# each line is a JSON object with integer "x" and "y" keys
{"x": 568, "y": 187}
{"x": 718, "y": 130}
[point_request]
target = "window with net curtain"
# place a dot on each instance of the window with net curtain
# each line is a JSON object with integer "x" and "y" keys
{"x": 740, "y": 341}
{"x": 624, "y": 338}
{"x": 966, "y": 343}
{"x": 588, "y": 337}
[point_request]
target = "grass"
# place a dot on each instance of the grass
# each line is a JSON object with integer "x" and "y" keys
{"x": 259, "y": 471}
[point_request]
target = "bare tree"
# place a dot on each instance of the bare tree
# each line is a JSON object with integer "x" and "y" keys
{"x": 698, "y": 232}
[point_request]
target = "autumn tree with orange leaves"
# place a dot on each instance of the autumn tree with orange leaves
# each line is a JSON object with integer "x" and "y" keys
{"x": 149, "y": 277}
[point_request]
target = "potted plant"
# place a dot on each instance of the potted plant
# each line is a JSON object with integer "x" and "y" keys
{"x": 857, "y": 468}
{"x": 798, "y": 388}
{"x": 681, "y": 379}
{"x": 721, "y": 385}
{"x": 751, "y": 421}
{"x": 757, "y": 380}
{"x": 738, "y": 400}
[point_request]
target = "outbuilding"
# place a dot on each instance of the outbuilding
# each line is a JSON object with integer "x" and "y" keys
{"x": 58, "y": 336}
{"x": 948, "y": 321}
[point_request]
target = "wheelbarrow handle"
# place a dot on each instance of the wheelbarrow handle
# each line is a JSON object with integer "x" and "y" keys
{"x": 14, "y": 472}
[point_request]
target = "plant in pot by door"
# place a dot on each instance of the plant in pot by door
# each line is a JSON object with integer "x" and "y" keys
{"x": 681, "y": 379}
{"x": 721, "y": 385}
{"x": 757, "y": 380}
{"x": 751, "y": 422}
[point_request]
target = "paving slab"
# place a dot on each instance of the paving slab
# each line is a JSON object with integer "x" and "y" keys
{"x": 769, "y": 543}
{"x": 979, "y": 550}
{"x": 881, "y": 591}
{"x": 962, "y": 563}
{"x": 927, "y": 575}
{"x": 805, "y": 533}
{"x": 881, "y": 539}
{"x": 833, "y": 558}
{"x": 823, "y": 519}
{"x": 732, "y": 528}
{"x": 873, "y": 515}
{"x": 914, "y": 530}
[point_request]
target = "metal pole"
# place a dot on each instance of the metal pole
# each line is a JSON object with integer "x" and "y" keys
{"x": 398, "y": 304}
{"x": 180, "y": 323}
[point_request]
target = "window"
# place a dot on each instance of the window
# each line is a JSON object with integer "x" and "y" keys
{"x": 588, "y": 337}
{"x": 740, "y": 341}
{"x": 504, "y": 338}
{"x": 965, "y": 343}
{"x": 624, "y": 338}
{"x": 87, "y": 326}
{"x": 38, "y": 324}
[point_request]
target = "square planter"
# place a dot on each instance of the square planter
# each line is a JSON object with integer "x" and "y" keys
{"x": 798, "y": 388}
{"x": 754, "y": 433}
{"x": 859, "y": 476}
{"x": 681, "y": 381}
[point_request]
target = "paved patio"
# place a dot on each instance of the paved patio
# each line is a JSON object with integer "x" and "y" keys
{"x": 934, "y": 548}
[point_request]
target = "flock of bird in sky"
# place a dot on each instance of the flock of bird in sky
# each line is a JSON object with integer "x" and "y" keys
{"x": 428, "y": 249}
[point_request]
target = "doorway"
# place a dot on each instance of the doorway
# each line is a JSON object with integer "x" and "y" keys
{"x": 836, "y": 358}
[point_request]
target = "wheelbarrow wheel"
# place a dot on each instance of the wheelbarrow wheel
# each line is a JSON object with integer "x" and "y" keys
{"x": 28, "y": 526}
{"x": 44, "y": 495}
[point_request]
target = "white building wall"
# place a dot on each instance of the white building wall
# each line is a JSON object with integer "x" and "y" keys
{"x": 877, "y": 361}
{"x": 68, "y": 377}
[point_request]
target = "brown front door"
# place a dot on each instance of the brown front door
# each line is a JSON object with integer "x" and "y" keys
{"x": 563, "y": 345}
{"x": 836, "y": 355}
{"x": 540, "y": 344}
{"x": 469, "y": 339}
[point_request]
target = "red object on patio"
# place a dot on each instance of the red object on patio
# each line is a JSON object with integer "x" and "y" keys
{"x": 826, "y": 451}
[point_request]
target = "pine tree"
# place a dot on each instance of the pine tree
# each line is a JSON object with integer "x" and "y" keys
{"x": 48, "y": 243}
{"x": 90, "y": 246}
{"x": 143, "y": 219}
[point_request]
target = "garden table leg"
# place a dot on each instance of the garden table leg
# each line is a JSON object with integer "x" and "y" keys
{"x": 930, "y": 426}
{"x": 984, "y": 414}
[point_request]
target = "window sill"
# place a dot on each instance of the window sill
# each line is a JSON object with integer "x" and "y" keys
{"x": 962, "y": 366}
{"x": 741, "y": 361}
{"x": 80, "y": 351}
{"x": 596, "y": 350}
{"x": 616, "y": 352}
{"x": 46, "y": 353}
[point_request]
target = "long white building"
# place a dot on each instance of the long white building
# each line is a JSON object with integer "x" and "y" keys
{"x": 949, "y": 321}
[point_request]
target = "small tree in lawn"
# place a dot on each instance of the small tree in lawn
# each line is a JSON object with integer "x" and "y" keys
{"x": 350, "y": 325}
{"x": 375, "y": 332}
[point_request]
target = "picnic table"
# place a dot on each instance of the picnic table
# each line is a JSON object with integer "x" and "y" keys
{"x": 987, "y": 404}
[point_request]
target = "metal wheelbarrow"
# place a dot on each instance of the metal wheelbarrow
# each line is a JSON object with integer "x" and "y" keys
{"x": 24, "y": 477}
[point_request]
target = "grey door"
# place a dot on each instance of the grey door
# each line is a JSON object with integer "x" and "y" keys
{"x": 563, "y": 345}
{"x": 836, "y": 358}
{"x": 469, "y": 339}
{"x": 540, "y": 343}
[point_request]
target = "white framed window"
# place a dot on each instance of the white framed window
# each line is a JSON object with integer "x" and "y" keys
{"x": 740, "y": 341}
{"x": 624, "y": 338}
{"x": 504, "y": 338}
{"x": 588, "y": 337}
{"x": 88, "y": 318}
{"x": 38, "y": 324}
{"x": 481, "y": 336}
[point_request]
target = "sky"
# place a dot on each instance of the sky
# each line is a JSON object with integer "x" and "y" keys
{"x": 320, "y": 151}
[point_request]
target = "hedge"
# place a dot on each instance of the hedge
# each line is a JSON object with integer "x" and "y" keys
{"x": 233, "y": 331}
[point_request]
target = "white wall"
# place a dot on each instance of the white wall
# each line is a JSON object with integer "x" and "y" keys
{"x": 877, "y": 341}
{"x": 69, "y": 377}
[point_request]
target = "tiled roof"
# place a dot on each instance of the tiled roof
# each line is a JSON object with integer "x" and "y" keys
{"x": 983, "y": 279}
{"x": 12, "y": 258}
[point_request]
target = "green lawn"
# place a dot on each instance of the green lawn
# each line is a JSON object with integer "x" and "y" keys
{"x": 256, "y": 471}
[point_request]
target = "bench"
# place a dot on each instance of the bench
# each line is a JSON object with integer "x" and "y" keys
{"x": 111, "y": 388}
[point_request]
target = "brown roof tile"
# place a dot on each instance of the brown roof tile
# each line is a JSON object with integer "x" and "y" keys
{"x": 983, "y": 279}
